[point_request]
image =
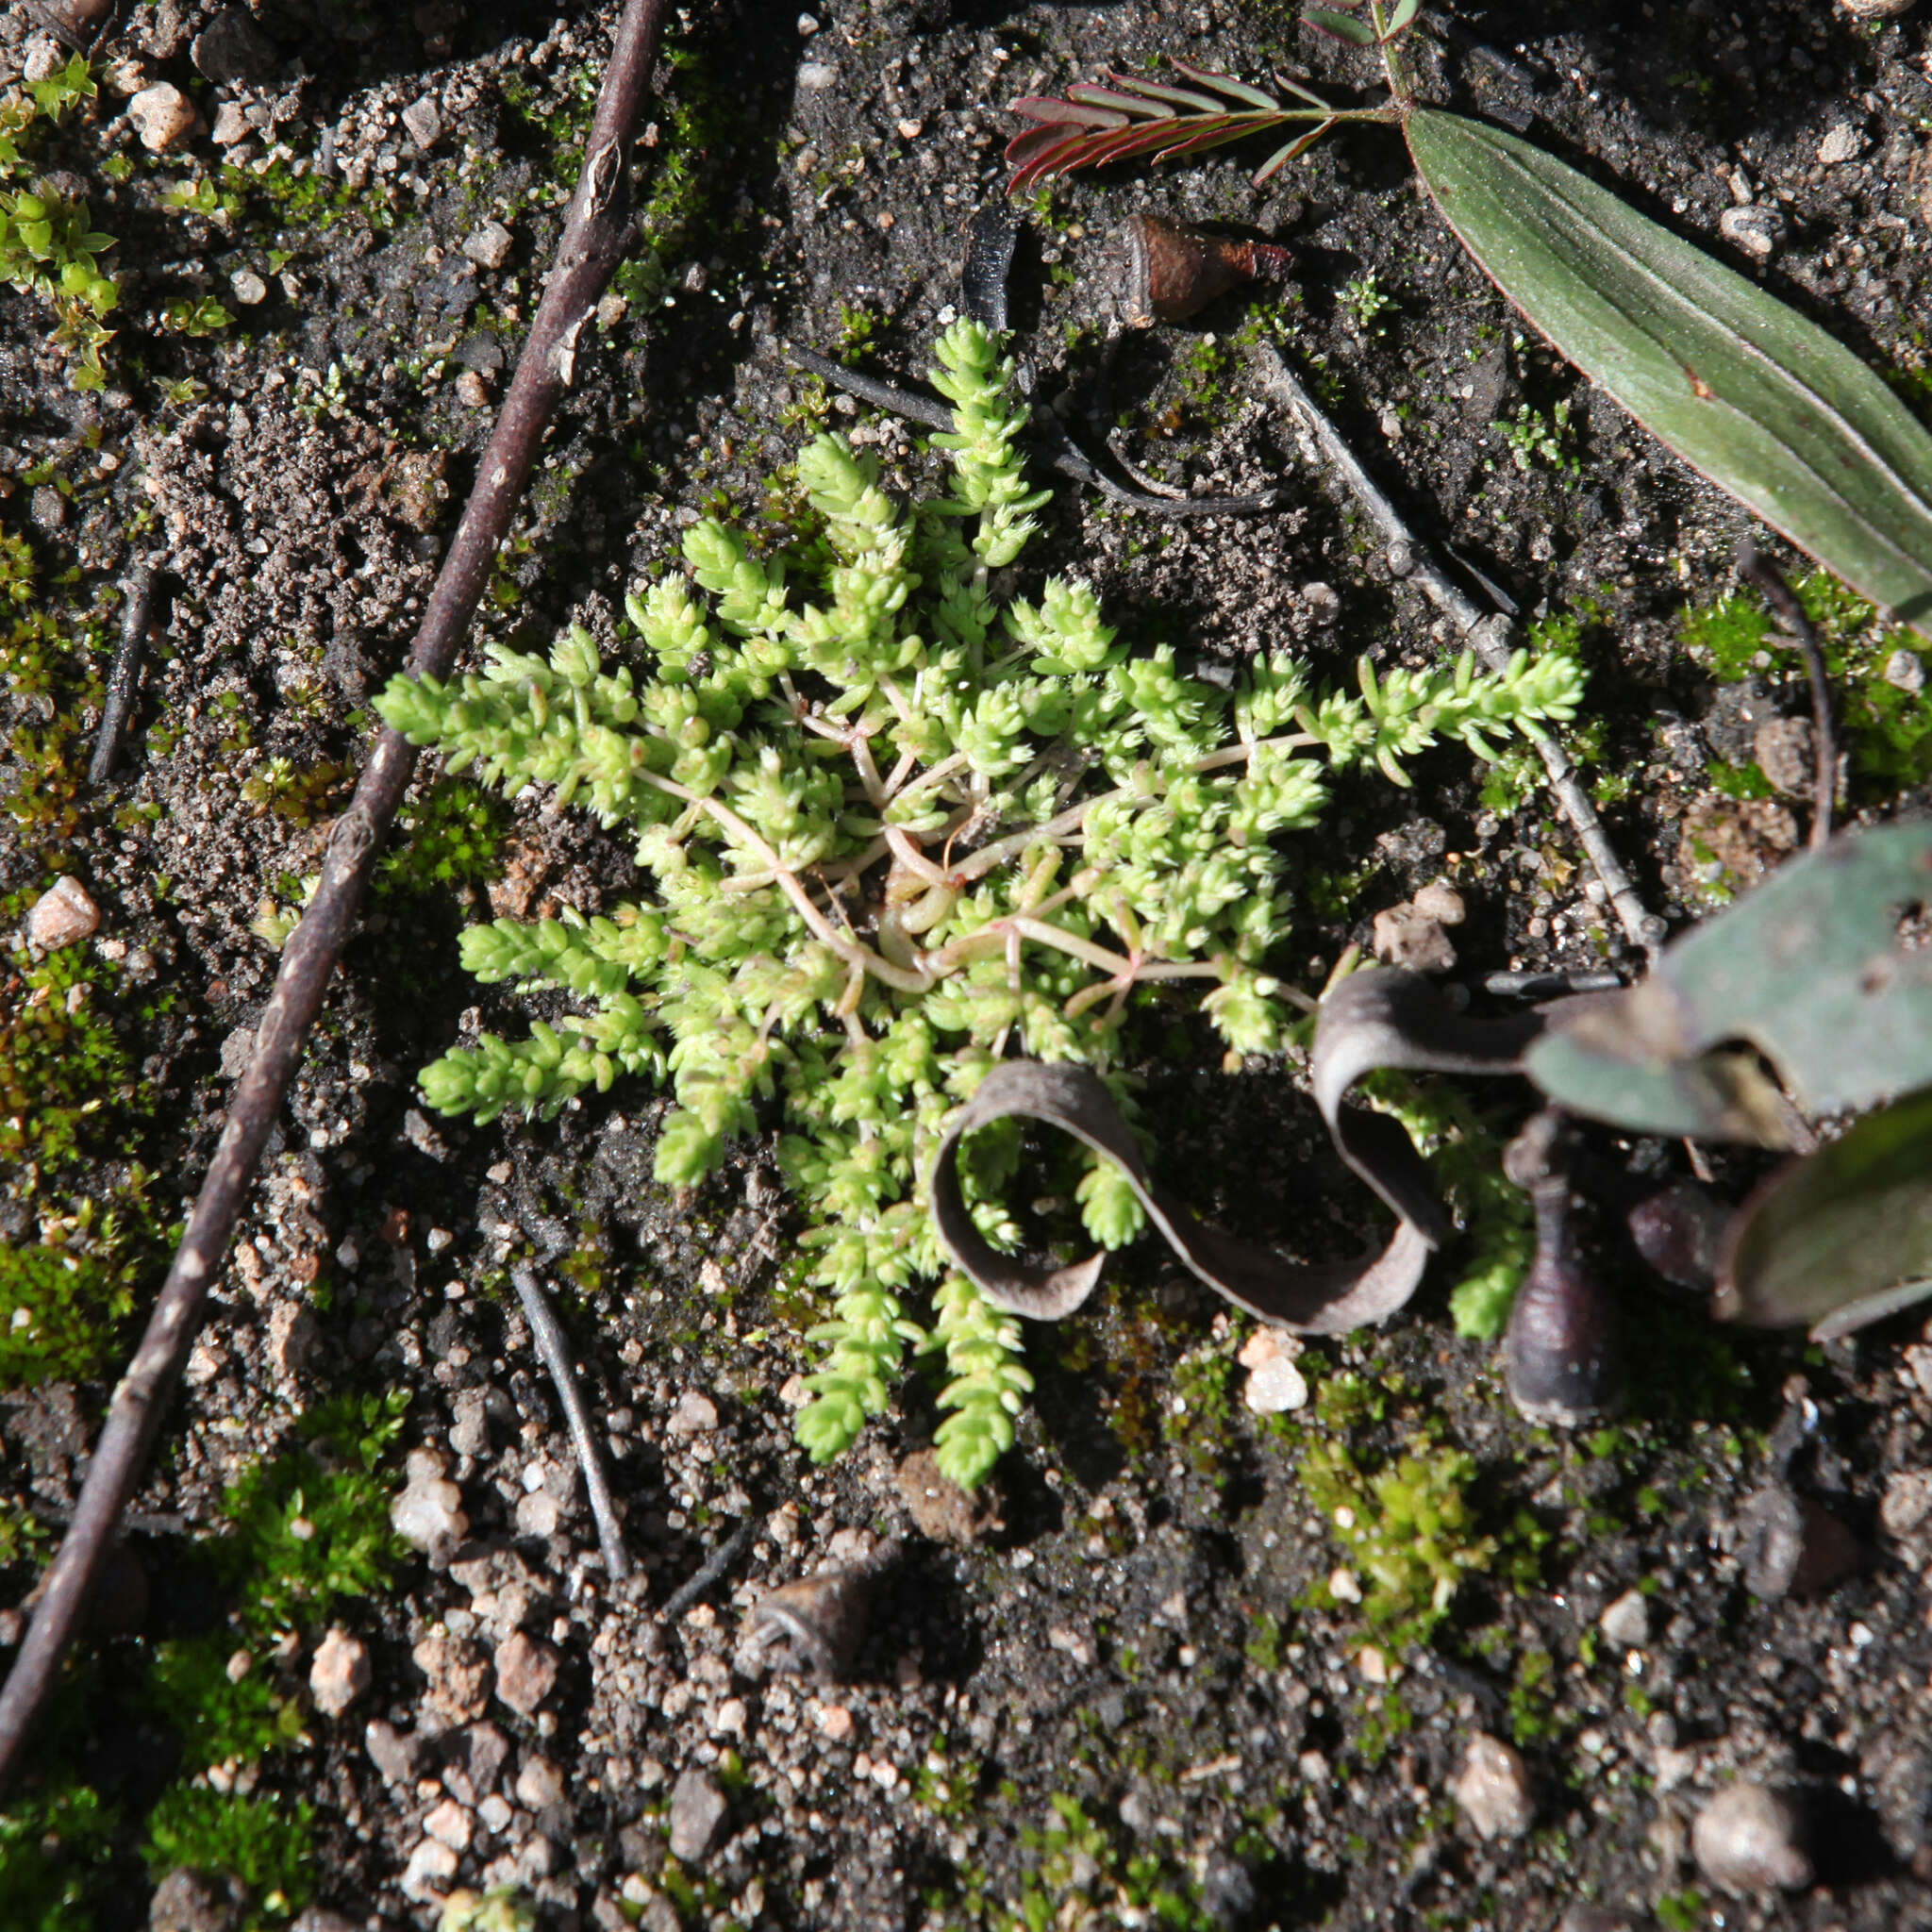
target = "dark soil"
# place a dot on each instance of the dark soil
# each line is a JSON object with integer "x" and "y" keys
{"x": 1135, "y": 1691}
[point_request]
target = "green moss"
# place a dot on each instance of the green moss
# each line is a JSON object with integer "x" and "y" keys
{"x": 51, "y": 1846}
{"x": 48, "y": 668}
{"x": 265, "y": 1843}
{"x": 1405, "y": 1524}
{"x": 455, "y": 832}
{"x": 1887, "y": 729}
{"x": 69, "y": 1096}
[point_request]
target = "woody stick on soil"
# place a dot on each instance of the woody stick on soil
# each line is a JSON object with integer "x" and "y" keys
{"x": 595, "y": 236}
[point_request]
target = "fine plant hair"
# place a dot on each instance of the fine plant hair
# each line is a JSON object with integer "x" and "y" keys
{"x": 896, "y": 825}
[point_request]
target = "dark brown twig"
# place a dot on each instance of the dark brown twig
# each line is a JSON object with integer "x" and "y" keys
{"x": 1758, "y": 568}
{"x": 124, "y": 680}
{"x": 595, "y": 236}
{"x": 553, "y": 1346}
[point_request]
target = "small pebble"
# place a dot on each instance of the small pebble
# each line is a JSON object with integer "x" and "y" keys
{"x": 540, "y": 1785}
{"x": 1492, "y": 1787}
{"x": 340, "y": 1672}
{"x": 817, "y": 75}
{"x": 1276, "y": 1387}
{"x": 1403, "y": 938}
{"x": 249, "y": 288}
{"x": 61, "y": 914}
{"x": 392, "y": 1752}
{"x": 450, "y": 1824}
{"x": 430, "y": 1868}
{"x": 526, "y": 1672}
{"x": 806, "y": 27}
{"x": 429, "y": 1512}
{"x": 1320, "y": 602}
{"x": 1627, "y": 1623}
{"x": 1906, "y": 669}
{"x": 1756, "y": 231}
{"x": 1843, "y": 144}
{"x": 698, "y": 1810}
{"x": 537, "y": 1514}
{"x": 424, "y": 118}
{"x": 1907, "y": 1501}
{"x": 164, "y": 117}
{"x": 696, "y": 1414}
{"x": 1748, "y": 1840}
{"x": 472, "y": 391}
{"x": 231, "y": 125}
{"x": 1782, "y": 747}
{"x": 835, "y": 1721}
{"x": 489, "y": 246}
{"x": 1442, "y": 903}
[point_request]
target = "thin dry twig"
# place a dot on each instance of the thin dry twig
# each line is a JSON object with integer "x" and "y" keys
{"x": 1055, "y": 448}
{"x": 1489, "y": 637}
{"x": 595, "y": 236}
{"x": 124, "y": 680}
{"x": 1753, "y": 563}
{"x": 553, "y": 1346}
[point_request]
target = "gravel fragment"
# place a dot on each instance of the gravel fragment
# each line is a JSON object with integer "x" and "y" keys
{"x": 1843, "y": 143}
{"x": 1404, "y": 938}
{"x": 696, "y": 1414}
{"x": 193, "y": 1902}
{"x": 249, "y": 288}
{"x": 1442, "y": 903}
{"x": 816, "y": 75}
{"x": 424, "y": 118}
{"x": 1626, "y": 1621}
{"x": 1492, "y": 1787}
{"x": 1792, "y": 1546}
{"x": 1749, "y": 1839}
{"x": 489, "y": 247}
{"x": 697, "y": 1811}
{"x": 429, "y": 1515}
{"x": 340, "y": 1672}
{"x": 458, "y": 1674}
{"x": 231, "y": 124}
{"x": 62, "y": 914}
{"x": 450, "y": 1824}
{"x": 1756, "y": 230}
{"x": 231, "y": 51}
{"x": 540, "y": 1785}
{"x": 943, "y": 1510}
{"x": 394, "y": 1753}
{"x": 1906, "y": 669}
{"x": 1275, "y": 1385}
{"x": 1783, "y": 749}
{"x": 526, "y": 1672}
{"x": 164, "y": 117}
{"x": 430, "y": 1868}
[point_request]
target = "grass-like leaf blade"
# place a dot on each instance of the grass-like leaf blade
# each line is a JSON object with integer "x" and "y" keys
{"x": 1742, "y": 386}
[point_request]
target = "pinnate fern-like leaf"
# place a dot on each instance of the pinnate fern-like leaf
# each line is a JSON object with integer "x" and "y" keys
{"x": 1132, "y": 116}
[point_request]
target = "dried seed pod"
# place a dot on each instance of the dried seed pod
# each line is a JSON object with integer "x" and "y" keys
{"x": 817, "y": 1624}
{"x": 1559, "y": 1353}
{"x": 1170, "y": 269}
{"x": 1680, "y": 1231}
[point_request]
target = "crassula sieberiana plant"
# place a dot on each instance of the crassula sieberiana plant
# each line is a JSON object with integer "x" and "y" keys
{"x": 896, "y": 828}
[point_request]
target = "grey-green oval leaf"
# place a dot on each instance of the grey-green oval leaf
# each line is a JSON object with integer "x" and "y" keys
{"x": 1742, "y": 386}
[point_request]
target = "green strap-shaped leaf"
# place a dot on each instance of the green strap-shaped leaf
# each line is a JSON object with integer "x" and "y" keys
{"x": 1763, "y": 402}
